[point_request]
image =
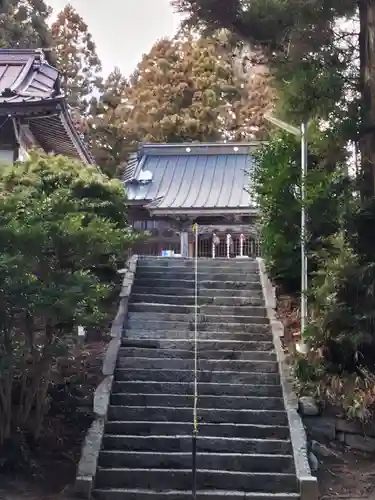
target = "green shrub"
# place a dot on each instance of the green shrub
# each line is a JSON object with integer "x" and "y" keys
{"x": 277, "y": 188}
{"x": 61, "y": 223}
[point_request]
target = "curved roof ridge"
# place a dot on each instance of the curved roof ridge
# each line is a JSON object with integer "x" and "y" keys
{"x": 25, "y": 73}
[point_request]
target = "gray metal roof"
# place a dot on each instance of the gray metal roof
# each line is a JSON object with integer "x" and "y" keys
{"x": 186, "y": 177}
{"x": 25, "y": 76}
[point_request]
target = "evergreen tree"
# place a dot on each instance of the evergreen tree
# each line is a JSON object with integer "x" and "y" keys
{"x": 109, "y": 146}
{"x": 187, "y": 89}
{"x": 257, "y": 96}
{"x": 24, "y": 24}
{"x": 76, "y": 58}
{"x": 322, "y": 56}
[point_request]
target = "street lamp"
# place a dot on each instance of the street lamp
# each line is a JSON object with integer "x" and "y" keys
{"x": 302, "y": 134}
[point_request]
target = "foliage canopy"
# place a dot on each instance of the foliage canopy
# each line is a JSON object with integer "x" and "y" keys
{"x": 61, "y": 224}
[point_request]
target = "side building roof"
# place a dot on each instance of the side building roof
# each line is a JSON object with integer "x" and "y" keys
{"x": 30, "y": 91}
{"x": 191, "y": 178}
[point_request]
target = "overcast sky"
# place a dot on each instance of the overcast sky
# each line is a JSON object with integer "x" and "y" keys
{"x": 124, "y": 29}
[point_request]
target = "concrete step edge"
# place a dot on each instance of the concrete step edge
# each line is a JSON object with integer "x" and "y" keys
{"x": 142, "y": 358}
{"x": 220, "y": 332}
{"x": 201, "y": 438}
{"x": 228, "y": 410}
{"x": 152, "y": 370}
{"x": 192, "y": 307}
{"x": 208, "y": 471}
{"x": 214, "y": 493}
{"x": 215, "y": 384}
{"x": 261, "y": 456}
{"x": 262, "y": 398}
{"x": 200, "y": 341}
{"x": 187, "y": 351}
{"x": 157, "y": 422}
{"x": 192, "y": 297}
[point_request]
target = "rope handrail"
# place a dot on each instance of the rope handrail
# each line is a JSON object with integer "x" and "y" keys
{"x": 195, "y": 407}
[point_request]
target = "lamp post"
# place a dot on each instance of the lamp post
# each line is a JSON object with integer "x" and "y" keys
{"x": 302, "y": 134}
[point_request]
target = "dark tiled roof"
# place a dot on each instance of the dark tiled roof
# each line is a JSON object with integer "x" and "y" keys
{"x": 192, "y": 176}
{"x": 25, "y": 76}
{"x": 30, "y": 88}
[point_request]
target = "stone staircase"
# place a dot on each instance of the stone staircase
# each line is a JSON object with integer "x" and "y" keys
{"x": 244, "y": 447}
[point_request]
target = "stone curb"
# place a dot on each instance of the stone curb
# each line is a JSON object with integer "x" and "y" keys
{"x": 127, "y": 284}
{"x": 93, "y": 441}
{"x": 308, "y": 484}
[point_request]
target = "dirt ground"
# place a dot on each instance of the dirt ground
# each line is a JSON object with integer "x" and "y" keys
{"x": 53, "y": 463}
{"x": 346, "y": 474}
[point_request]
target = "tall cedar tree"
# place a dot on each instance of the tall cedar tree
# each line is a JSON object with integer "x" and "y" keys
{"x": 24, "y": 24}
{"x": 313, "y": 54}
{"x": 76, "y": 57}
{"x": 109, "y": 146}
{"x": 187, "y": 89}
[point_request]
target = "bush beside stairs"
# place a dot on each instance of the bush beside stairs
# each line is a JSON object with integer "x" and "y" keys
{"x": 243, "y": 448}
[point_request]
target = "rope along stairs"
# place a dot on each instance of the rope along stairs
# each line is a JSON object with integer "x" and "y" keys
{"x": 221, "y": 333}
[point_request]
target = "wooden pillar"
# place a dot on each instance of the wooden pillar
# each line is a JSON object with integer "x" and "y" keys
{"x": 191, "y": 249}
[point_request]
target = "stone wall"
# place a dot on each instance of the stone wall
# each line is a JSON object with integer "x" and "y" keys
{"x": 320, "y": 427}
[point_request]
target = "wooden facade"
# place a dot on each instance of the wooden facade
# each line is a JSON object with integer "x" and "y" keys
{"x": 171, "y": 187}
{"x": 166, "y": 234}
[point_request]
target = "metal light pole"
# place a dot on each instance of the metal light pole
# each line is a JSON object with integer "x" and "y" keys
{"x": 302, "y": 134}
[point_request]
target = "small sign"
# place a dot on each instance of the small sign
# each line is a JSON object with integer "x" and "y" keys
{"x": 81, "y": 331}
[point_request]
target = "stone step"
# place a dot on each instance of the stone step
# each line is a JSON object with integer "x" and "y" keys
{"x": 203, "y": 310}
{"x": 212, "y": 275}
{"x": 226, "y": 402}
{"x": 206, "y": 415}
{"x": 225, "y": 430}
{"x": 157, "y": 375}
{"x": 212, "y": 494}
{"x": 215, "y": 354}
{"x": 203, "y": 364}
{"x": 143, "y": 332}
{"x": 209, "y": 461}
{"x": 204, "y": 346}
{"x": 190, "y": 300}
{"x": 219, "y": 263}
{"x": 136, "y": 313}
{"x": 205, "y": 389}
{"x": 167, "y": 444}
{"x": 202, "y": 284}
{"x": 202, "y": 268}
{"x": 143, "y": 321}
{"x": 190, "y": 291}
{"x": 181, "y": 479}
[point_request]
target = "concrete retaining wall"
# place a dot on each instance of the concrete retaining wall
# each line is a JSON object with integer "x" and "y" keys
{"x": 308, "y": 484}
{"x": 91, "y": 447}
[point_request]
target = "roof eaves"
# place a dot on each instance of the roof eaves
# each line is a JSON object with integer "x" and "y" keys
{"x": 217, "y": 148}
{"x": 155, "y": 204}
{"x": 73, "y": 134}
{"x": 202, "y": 211}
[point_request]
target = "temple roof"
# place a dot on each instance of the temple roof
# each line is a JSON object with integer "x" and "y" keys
{"x": 30, "y": 93}
{"x": 187, "y": 178}
{"x": 25, "y": 76}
